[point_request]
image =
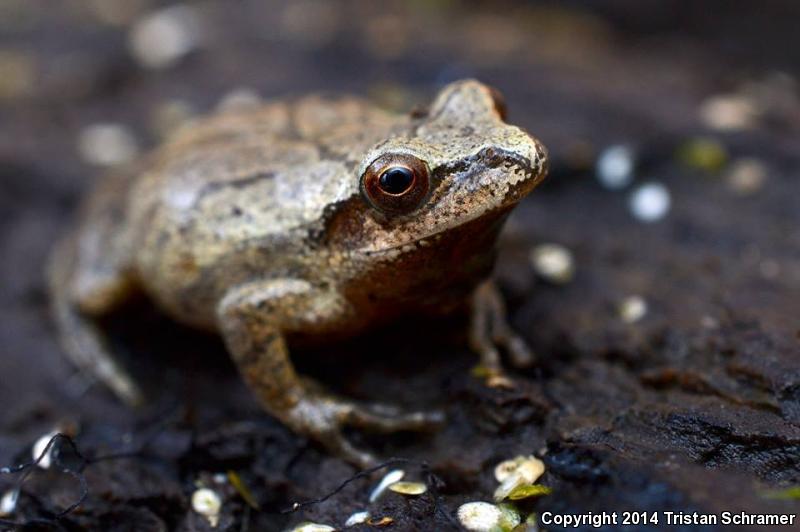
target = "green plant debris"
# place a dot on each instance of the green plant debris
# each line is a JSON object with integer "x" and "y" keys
{"x": 529, "y": 490}
{"x": 242, "y": 490}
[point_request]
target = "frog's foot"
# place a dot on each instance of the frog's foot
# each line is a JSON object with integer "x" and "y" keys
{"x": 489, "y": 330}
{"x": 323, "y": 417}
{"x": 252, "y": 318}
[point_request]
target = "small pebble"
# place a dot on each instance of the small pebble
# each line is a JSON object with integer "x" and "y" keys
{"x": 207, "y": 503}
{"x": 746, "y": 176}
{"x": 161, "y": 38}
{"x": 486, "y": 517}
{"x": 8, "y": 503}
{"x": 313, "y": 527}
{"x": 107, "y": 144}
{"x": 553, "y": 263}
{"x": 650, "y": 202}
{"x": 408, "y": 488}
{"x": 391, "y": 477}
{"x": 632, "y": 309}
{"x": 357, "y": 518}
{"x": 614, "y": 168}
{"x": 729, "y": 112}
{"x": 38, "y": 449}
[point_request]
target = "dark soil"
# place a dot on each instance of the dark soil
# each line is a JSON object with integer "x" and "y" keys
{"x": 695, "y": 407}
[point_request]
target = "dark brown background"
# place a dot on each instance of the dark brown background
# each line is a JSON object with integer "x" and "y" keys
{"x": 696, "y": 407}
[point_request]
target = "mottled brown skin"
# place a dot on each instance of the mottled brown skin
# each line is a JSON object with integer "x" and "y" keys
{"x": 254, "y": 224}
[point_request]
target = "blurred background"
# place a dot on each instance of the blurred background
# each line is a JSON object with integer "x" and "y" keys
{"x": 657, "y": 271}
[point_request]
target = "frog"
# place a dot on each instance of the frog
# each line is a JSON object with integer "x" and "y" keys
{"x": 304, "y": 221}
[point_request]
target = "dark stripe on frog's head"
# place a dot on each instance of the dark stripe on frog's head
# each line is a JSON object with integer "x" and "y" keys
{"x": 237, "y": 183}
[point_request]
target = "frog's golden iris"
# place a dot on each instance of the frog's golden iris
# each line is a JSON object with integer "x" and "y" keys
{"x": 396, "y": 183}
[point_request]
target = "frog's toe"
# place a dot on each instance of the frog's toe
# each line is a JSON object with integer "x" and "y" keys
{"x": 386, "y": 418}
{"x": 339, "y": 445}
{"x": 519, "y": 353}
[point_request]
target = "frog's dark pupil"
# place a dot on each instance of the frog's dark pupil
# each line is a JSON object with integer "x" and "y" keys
{"x": 396, "y": 180}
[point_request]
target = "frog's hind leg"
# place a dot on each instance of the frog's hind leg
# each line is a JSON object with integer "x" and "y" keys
{"x": 82, "y": 339}
{"x": 88, "y": 278}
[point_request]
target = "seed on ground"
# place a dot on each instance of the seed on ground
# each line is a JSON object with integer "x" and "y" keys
{"x": 107, "y": 144}
{"x": 390, "y": 478}
{"x": 650, "y": 202}
{"x": 408, "y": 488}
{"x": 207, "y": 503}
{"x": 632, "y": 309}
{"x": 553, "y": 263}
{"x": 614, "y": 168}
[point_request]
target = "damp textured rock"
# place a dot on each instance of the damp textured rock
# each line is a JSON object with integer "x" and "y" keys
{"x": 666, "y": 372}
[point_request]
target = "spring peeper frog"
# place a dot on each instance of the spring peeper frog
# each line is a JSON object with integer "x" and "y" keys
{"x": 299, "y": 222}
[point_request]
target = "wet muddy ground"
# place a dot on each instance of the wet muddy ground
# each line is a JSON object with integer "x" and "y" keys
{"x": 669, "y": 364}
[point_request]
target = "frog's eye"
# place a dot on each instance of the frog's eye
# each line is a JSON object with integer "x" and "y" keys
{"x": 396, "y": 183}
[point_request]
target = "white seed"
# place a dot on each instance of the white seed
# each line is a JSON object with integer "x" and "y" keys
{"x": 729, "y": 112}
{"x": 519, "y": 471}
{"x": 479, "y": 516}
{"x": 408, "y": 488}
{"x": 614, "y": 167}
{"x": 553, "y": 262}
{"x": 207, "y": 503}
{"x": 239, "y": 98}
{"x": 530, "y": 466}
{"x": 107, "y": 144}
{"x": 162, "y": 37}
{"x": 40, "y": 446}
{"x": 509, "y": 484}
{"x": 357, "y": 518}
{"x": 312, "y": 527}
{"x": 391, "y": 477}
{"x": 650, "y": 202}
{"x": 746, "y": 176}
{"x": 486, "y": 517}
{"x": 8, "y": 503}
{"x": 632, "y": 309}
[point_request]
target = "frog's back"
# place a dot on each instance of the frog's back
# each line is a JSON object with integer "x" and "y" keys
{"x": 239, "y": 194}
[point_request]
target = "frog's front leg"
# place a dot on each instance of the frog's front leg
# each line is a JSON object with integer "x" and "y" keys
{"x": 489, "y": 329}
{"x": 254, "y": 319}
